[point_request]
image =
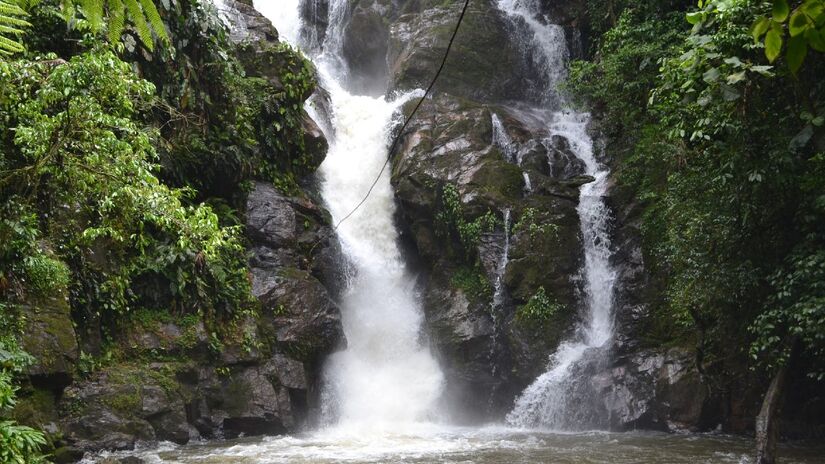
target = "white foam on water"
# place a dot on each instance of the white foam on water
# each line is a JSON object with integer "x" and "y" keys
{"x": 386, "y": 380}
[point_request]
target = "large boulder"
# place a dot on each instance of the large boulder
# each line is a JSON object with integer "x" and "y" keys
{"x": 473, "y": 298}
{"x": 485, "y": 64}
{"x": 50, "y": 339}
{"x": 294, "y": 252}
{"x": 656, "y": 389}
{"x": 119, "y": 406}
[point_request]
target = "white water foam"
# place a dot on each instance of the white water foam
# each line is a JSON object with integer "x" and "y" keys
{"x": 386, "y": 380}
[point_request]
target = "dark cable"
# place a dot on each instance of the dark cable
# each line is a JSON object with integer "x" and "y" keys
{"x": 409, "y": 118}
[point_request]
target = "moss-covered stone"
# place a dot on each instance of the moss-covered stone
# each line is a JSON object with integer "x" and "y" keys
{"x": 50, "y": 336}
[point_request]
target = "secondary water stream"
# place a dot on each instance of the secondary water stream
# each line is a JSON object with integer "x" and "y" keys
{"x": 558, "y": 399}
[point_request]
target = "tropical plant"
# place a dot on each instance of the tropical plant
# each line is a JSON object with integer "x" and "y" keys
{"x": 12, "y": 24}
{"x": 142, "y": 14}
{"x": 111, "y": 15}
{"x": 18, "y": 444}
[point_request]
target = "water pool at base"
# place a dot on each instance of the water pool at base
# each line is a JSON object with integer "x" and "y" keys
{"x": 487, "y": 445}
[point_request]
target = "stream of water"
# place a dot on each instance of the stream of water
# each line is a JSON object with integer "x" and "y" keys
{"x": 555, "y": 400}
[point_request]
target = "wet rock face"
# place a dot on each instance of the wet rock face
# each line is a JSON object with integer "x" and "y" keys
{"x": 655, "y": 390}
{"x": 262, "y": 381}
{"x": 122, "y": 405}
{"x": 364, "y": 45}
{"x": 484, "y": 64}
{"x": 489, "y": 352}
{"x": 51, "y": 340}
{"x": 246, "y": 24}
{"x": 293, "y": 251}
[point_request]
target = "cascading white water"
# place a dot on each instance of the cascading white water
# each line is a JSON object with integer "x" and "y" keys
{"x": 385, "y": 379}
{"x": 547, "y": 402}
{"x": 502, "y": 140}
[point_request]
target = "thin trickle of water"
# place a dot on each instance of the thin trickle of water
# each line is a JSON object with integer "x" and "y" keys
{"x": 502, "y": 140}
{"x": 528, "y": 185}
{"x": 497, "y": 305}
{"x": 548, "y": 41}
{"x": 498, "y": 294}
{"x": 385, "y": 380}
{"x": 554, "y": 400}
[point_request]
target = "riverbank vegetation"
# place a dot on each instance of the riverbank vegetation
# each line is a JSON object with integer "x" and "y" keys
{"x": 129, "y": 140}
{"x": 716, "y": 115}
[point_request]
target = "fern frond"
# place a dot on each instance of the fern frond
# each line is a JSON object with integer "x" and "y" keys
{"x": 117, "y": 18}
{"x": 139, "y": 21}
{"x": 153, "y": 16}
{"x": 93, "y": 10}
{"x": 9, "y": 47}
{"x": 11, "y": 24}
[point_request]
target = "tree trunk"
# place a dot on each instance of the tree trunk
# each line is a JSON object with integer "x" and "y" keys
{"x": 767, "y": 422}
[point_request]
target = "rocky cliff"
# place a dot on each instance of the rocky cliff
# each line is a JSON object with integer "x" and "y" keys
{"x": 171, "y": 377}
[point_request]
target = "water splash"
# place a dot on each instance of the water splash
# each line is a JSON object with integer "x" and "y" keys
{"x": 386, "y": 379}
{"x": 561, "y": 398}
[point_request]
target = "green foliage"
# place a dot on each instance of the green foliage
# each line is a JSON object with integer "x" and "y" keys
{"x": 450, "y": 222}
{"x": 18, "y": 444}
{"x": 529, "y": 222}
{"x": 77, "y": 135}
{"x": 45, "y": 274}
{"x": 473, "y": 282}
{"x": 222, "y": 126}
{"x": 802, "y": 29}
{"x": 11, "y": 24}
{"x": 539, "y": 308}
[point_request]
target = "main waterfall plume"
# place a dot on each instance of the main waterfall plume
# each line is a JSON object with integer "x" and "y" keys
{"x": 385, "y": 378}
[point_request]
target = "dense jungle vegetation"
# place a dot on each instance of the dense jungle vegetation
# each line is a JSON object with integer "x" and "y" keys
{"x": 129, "y": 133}
{"x": 716, "y": 116}
{"x": 127, "y": 141}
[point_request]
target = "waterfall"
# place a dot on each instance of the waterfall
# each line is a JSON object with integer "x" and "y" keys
{"x": 560, "y": 398}
{"x": 386, "y": 378}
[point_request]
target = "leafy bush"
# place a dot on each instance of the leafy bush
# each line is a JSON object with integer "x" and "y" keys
{"x": 18, "y": 444}
{"x": 539, "y": 308}
{"x": 77, "y": 136}
{"x": 450, "y": 222}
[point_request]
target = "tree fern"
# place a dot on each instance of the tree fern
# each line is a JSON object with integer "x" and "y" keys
{"x": 11, "y": 25}
{"x": 142, "y": 14}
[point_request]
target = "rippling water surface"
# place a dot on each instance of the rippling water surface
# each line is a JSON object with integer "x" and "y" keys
{"x": 473, "y": 445}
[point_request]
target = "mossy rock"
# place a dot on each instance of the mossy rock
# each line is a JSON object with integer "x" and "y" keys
{"x": 50, "y": 337}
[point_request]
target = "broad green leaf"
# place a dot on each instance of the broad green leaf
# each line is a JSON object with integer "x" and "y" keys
{"x": 695, "y": 17}
{"x": 798, "y": 23}
{"x": 735, "y": 78}
{"x": 797, "y": 49}
{"x": 816, "y": 39}
{"x": 729, "y": 93}
{"x": 814, "y": 10}
{"x": 759, "y": 27}
{"x": 711, "y": 75}
{"x": 773, "y": 44}
{"x": 780, "y": 10}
